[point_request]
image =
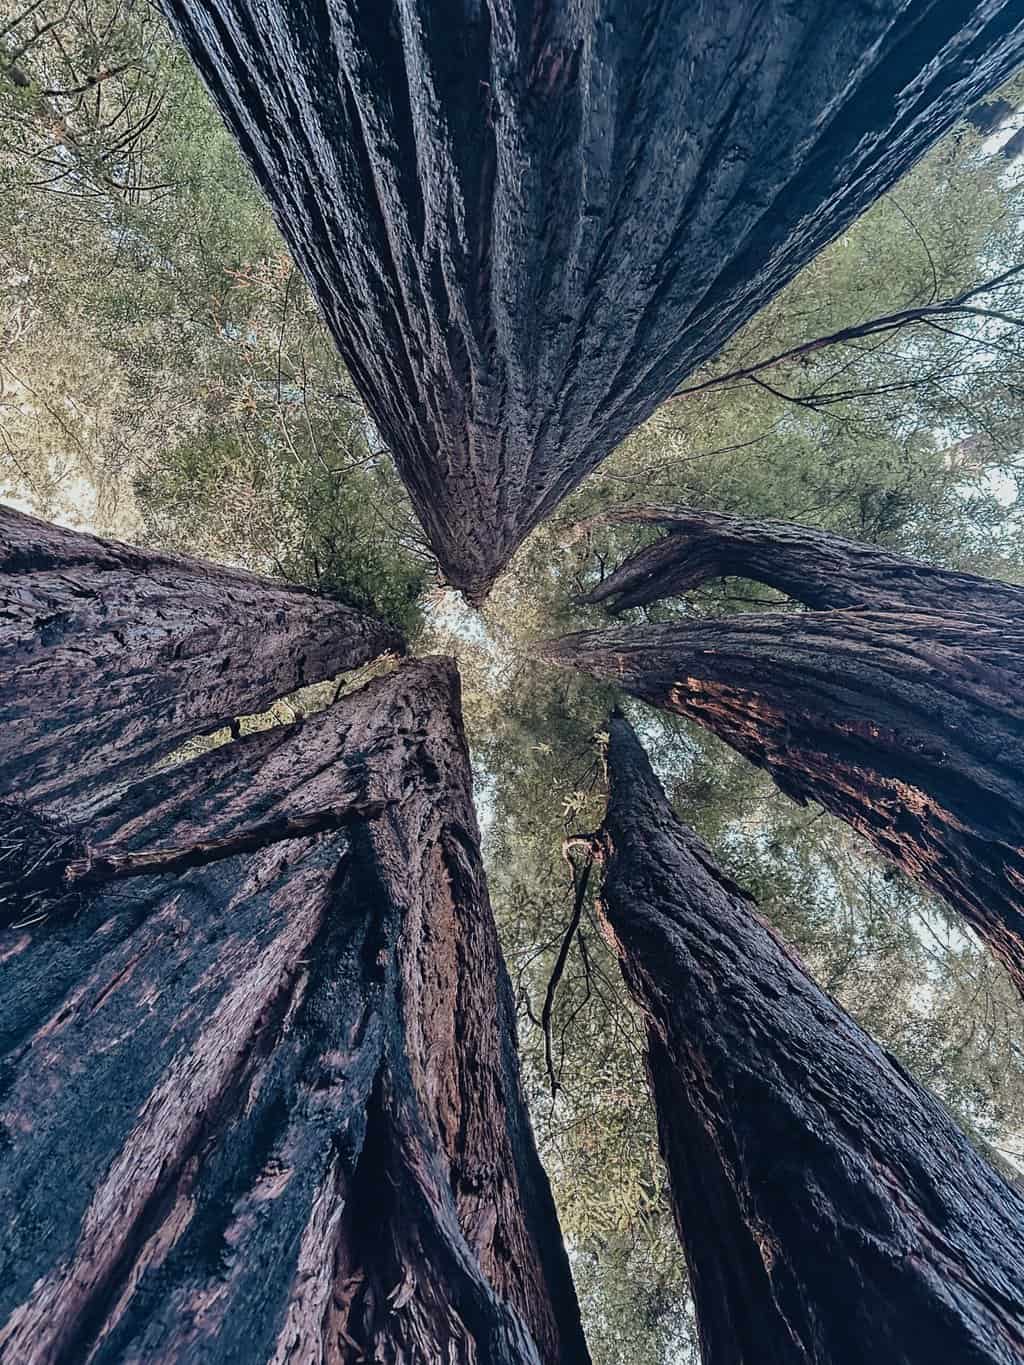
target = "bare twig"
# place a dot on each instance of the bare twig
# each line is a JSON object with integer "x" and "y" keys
{"x": 581, "y": 880}
{"x": 891, "y": 322}
{"x": 91, "y": 82}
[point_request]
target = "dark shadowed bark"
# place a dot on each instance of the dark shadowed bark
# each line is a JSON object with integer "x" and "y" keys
{"x": 526, "y": 223}
{"x": 110, "y": 655}
{"x": 907, "y": 721}
{"x": 830, "y": 1210}
{"x": 269, "y": 1110}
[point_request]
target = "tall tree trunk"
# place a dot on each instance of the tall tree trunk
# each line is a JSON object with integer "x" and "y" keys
{"x": 270, "y": 1110}
{"x": 110, "y": 655}
{"x": 830, "y": 1210}
{"x": 900, "y": 709}
{"x": 525, "y": 224}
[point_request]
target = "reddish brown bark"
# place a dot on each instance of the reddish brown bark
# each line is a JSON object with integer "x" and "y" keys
{"x": 527, "y": 223}
{"x": 269, "y": 1110}
{"x": 901, "y": 709}
{"x": 110, "y": 655}
{"x": 830, "y": 1211}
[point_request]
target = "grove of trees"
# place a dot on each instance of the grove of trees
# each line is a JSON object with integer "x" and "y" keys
{"x": 400, "y": 960}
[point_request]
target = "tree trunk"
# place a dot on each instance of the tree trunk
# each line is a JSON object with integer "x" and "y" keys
{"x": 526, "y": 224}
{"x": 906, "y": 720}
{"x": 110, "y": 655}
{"x": 830, "y": 1210}
{"x": 269, "y": 1110}
{"x": 814, "y": 567}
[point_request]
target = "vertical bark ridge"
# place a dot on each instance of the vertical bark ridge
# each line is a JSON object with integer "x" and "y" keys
{"x": 110, "y": 655}
{"x": 729, "y": 1268}
{"x": 525, "y": 224}
{"x": 830, "y": 1210}
{"x": 270, "y": 1109}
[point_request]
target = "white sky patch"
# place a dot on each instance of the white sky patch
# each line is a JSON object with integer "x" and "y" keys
{"x": 999, "y": 485}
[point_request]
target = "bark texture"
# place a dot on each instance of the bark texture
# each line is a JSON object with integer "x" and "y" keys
{"x": 899, "y": 707}
{"x": 830, "y": 1210}
{"x": 813, "y": 567}
{"x": 526, "y": 223}
{"x": 269, "y": 1110}
{"x": 110, "y": 655}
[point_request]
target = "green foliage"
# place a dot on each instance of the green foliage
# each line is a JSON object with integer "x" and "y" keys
{"x": 167, "y": 373}
{"x": 633, "y": 1312}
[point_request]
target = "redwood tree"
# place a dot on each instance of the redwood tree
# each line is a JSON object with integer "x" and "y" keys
{"x": 830, "y": 1210}
{"x": 814, "y": 567}
{"x": 110, "y": 655}
{"x": 527, "y": 223}
{"x": 270, "y": 1109}
{"x": 898, "y": 707}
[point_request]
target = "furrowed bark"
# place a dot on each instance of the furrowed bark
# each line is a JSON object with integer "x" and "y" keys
{"x": 269, "y": 1110}
{"x": 830, "y": 1210}
{"x": 814, "y": 567}
{"x": 896, "y": 703}
{"x": 102, "y": 863}
{"x": 526, "y": 224}
{"x": 110, "y": 655}
{"x": 907, "y": 725}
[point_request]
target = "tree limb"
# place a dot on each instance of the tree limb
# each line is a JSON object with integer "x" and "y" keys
{"x": 99, "y": 865}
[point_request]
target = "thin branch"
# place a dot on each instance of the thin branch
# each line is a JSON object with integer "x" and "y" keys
{"x": 280, "y": 332}
{"x": 891, "y": 322}
{"x": 920, "y": 237}
{"x": 91, "y": 82}
{"x": 10, "y": 66}
{"x": 20, "y": 18}
{"x": 581, "y": 881}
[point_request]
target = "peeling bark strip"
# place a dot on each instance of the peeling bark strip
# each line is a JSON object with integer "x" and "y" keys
{"x": 814, "y": 567}
{"x": 527, "y": 223}
{"x": 830, "y": 1210}
{"x": 99, "y": 864}
{"x": 270, "y": 1110}
{"x": 46, "y": 867}
{"x": 906, "y": 721}
{"x": 112, "y": 654}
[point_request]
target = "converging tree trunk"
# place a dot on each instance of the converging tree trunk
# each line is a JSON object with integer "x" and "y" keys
{"x": 526, "y": 224}
{"x": 110, "y": 655}
{"x": 815, "y": 568}
{"x": 898, "y": 707}
{"x": 830, "y": 1210}
{"x": 269, "y": 1109}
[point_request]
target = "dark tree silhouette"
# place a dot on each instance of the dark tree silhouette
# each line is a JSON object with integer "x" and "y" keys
{"x": 270, "y": 1109}
{"x": 111, "y": 655}
{"x": 830, "y": 1210}
{"x": 526, "y": 224}
{"x": 898, "y": 704}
